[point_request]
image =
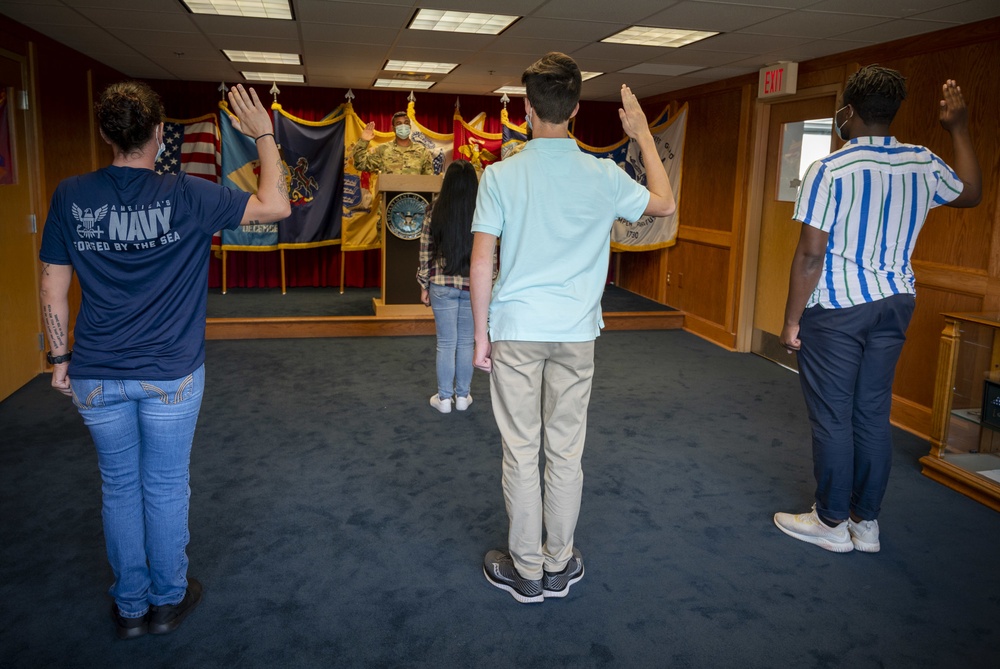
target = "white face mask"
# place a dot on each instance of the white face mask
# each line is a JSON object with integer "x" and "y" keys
{"x": 527, "y": 120}
{"x": 402, "y": 131}
{"x": 840, "y": 128}
{"x": 159, "y": 151}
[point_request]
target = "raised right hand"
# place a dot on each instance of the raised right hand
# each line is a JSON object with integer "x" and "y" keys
{"x": 953, "y": 113}
{"x": 368, "y": 134}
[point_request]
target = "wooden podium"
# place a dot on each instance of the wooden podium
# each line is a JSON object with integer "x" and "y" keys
{"x": 402, "y": 205}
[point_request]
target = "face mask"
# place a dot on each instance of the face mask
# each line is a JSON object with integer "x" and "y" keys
{"x": 840, "y": 128}
{"x": 159, "y": 151}
{"x": 527, "y": 120}
{"x": 402, "y": 131}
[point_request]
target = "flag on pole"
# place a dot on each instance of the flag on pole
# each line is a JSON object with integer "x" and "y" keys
{"x": 651, "y": 232}
{"x": 313, "y": 152}
{"x": 191, "y": 146}
{"x": 360, "y": 222}
{"x": 240, "y": 169}
{"x": 473, "y": 144}
{"x": 513, "y": 136}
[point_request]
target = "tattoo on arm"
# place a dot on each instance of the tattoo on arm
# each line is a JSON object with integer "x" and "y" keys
{"x": 282, "y": 184}
{"x": 45, "y": 269}
{"x": 57, "y": 335}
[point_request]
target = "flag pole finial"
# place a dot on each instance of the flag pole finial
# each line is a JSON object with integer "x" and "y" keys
{"x": 222, "y": 90}
{"x": 504, "y": 100}
{"x": 349, "y": 94}
{"x": 275, "y": 91}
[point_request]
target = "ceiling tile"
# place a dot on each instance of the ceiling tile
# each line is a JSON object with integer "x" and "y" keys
{"x": 706, "y": 16}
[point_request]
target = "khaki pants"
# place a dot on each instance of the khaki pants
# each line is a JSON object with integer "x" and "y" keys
{"x": 540, "y": 393}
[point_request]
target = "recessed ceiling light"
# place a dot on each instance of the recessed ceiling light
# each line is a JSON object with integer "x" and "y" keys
{"x": 258, "y": 9}
{"x": 664, "y": 37}
{"x": 269, "y": 57}
{"x": 512, "y": 90}
{"x": 590, "y": 75}
{"x": 461, "y": 22}
{"x": 419, "y": 66}
{"x": 402, "y": 83}
{"x": 274, "y": 76}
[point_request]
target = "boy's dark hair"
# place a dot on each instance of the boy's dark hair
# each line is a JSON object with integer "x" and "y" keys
{"x": 128, "y": 113}
{"x": 451, "y": 218}
{"x": 553, "y": 85}
{"x": 875, "y": 93}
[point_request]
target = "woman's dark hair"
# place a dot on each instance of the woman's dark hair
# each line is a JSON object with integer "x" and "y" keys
{"x": 875, "y": 93}
{"x": 128, "y": 113}
{"x": 451, "y": 218}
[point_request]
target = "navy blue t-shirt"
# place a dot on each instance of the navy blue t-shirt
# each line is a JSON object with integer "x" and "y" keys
{"x": 139, "y": 243}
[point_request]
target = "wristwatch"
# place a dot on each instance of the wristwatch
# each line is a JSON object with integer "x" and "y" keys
{"x": 58, "y": 359}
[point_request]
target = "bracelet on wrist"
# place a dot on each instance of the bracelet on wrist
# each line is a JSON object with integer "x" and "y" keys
{"x": 266, "y": 134}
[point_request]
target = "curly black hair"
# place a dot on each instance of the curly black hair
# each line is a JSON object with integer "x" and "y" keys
{"x": 128, "y": 113}
{"x": 875, "y": 93}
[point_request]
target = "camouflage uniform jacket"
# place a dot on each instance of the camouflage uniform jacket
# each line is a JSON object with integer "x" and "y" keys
{"x": 390, "y": 158}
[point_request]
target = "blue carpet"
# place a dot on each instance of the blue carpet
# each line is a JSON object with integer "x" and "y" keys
{"x": 337, "y": 520}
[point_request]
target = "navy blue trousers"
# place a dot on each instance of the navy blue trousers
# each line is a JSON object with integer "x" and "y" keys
{"x": 846, "y": 366}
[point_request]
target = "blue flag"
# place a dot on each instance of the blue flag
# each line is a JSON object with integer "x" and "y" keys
{"x": 240, "y": 169}
{"x": 313, "y": 152}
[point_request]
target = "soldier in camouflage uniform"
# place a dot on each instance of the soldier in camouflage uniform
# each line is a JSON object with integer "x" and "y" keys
{"x": 400, "y": 156}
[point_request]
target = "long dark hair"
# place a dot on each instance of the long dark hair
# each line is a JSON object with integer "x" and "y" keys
{"x": 451, "y": 218}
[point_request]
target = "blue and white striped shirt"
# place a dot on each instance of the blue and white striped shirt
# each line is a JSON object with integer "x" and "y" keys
{"x": 872, "y": 197}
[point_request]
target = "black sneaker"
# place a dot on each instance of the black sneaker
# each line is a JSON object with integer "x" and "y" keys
{"x": 501, "y": 573}
{"x": 129, "y": 628}
{"x": 165, "y": 619}
{"x": 557, "y": 585}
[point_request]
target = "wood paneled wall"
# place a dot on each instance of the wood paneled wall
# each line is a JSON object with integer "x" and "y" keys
{"x": 957, "y": 259}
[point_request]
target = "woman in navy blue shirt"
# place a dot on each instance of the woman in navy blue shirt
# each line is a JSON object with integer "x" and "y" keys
{"x": 139, "y": 244}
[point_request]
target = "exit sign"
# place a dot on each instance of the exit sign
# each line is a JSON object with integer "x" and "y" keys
{"x": 777, "y": 80}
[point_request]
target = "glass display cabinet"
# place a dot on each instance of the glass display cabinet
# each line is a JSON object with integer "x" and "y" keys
{"x": 965, "y": 424}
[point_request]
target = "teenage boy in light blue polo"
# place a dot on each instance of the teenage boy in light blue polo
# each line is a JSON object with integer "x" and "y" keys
{"x": 552, "y": 207}
{"x": 851, "y": 295}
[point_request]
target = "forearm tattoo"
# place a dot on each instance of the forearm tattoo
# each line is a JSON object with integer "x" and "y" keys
{"x": 57, "y": 334}
{"x": 282, "y": 184}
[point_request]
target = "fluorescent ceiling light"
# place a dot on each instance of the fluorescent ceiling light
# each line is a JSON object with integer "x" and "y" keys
{"x": 668, "y": 37}
{"x": 402, "y": 83}
{"x": 590, "y": 75}
{"x": 274, "y": 76}
{"x": 270, "y": 57}
{"x": 419, "y": 66}
{"x": 512, "y": 90}
{"x": 258, "y": 9}
{"x": 461, "y": 22}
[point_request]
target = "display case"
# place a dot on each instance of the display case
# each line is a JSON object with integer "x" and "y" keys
{"x": 965, "y": 424}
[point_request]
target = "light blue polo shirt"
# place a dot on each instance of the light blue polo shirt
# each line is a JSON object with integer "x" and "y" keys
{"x": 552, "y": 206}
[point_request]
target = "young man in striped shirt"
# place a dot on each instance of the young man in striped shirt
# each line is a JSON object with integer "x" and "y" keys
{"x": 851, "y": 295}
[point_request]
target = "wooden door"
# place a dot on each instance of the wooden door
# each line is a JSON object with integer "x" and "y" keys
{"x": 779, "y": 234}
{"x": 20, "y": 347}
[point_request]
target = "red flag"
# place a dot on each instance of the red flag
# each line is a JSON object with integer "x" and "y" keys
{"x": 472, "y": 144}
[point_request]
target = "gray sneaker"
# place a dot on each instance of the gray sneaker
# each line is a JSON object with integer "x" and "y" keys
{"x": 557, "y": 585}
{"x": 864, "y": 535}
{"x": 500, "y": 571}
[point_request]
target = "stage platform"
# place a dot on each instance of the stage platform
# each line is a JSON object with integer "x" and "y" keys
{"x": 324, "y": 312}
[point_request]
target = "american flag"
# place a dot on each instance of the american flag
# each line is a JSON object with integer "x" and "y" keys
{"x": 192, "y": 146}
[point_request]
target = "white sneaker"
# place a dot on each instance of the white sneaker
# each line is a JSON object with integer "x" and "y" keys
{"x": 462, "y": 403}
{"x": 444, "y": 406}
{"x": 864, "y": 535}
{"x": 809, "y": 528}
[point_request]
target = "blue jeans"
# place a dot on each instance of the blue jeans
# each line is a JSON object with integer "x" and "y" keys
{"x": 143, "y": 432}
{"x": 846, "y": 366}
{"x": 453, "y": 322}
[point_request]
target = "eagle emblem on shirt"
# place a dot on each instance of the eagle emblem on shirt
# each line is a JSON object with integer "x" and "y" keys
{"x": 88, "y": 218}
